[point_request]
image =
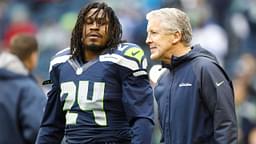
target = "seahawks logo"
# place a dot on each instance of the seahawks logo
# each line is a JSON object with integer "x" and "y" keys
{"x": 135, "y": 52}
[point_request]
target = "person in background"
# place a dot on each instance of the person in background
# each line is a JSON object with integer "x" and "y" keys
{"x": 21, "y": 99}
{"x": 195, "y": 96}
{"x": 101, "y": 92}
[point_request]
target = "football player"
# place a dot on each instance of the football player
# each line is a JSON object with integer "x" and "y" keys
{"x": 100, "y": 92}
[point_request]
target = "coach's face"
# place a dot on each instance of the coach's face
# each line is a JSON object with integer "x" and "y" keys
{"x": 158, "y": 40}
{"x": 95, "y": 30}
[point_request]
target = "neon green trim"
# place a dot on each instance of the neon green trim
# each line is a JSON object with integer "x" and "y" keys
{"x": 135, "y": 52}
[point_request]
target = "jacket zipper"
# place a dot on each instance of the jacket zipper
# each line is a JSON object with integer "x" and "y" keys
{"x": 170, "y": 104}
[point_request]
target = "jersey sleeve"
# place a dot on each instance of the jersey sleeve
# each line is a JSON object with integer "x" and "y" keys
{"x": 137, "y": 94}
{"x": 137, "y": 97}
{"x": 59, "y": 58}
{"x": 217, "y": 93}
{"x": 53, "y": 122}
{"x": 130, "y": 59}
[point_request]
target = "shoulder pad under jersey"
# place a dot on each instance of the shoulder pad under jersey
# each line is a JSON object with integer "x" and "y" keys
{"x": 128, "y": 55}
{"x": 60, "y": 57}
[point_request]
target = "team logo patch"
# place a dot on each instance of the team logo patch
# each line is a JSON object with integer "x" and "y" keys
{"x": 185, "y": 85}
{"x": 135, "y": 52}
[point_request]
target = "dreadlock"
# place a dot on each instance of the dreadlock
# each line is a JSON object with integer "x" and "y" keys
{"x": 114, "y": 28}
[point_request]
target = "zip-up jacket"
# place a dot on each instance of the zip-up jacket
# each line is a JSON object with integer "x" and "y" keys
{"x": 21, "y": 102}
{"x": 196, "y": 101}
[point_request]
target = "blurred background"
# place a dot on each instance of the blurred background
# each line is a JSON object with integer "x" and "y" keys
{"x": 227, "y": 28}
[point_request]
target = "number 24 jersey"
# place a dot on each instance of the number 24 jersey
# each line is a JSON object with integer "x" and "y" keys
{"x": 99, "y": 100}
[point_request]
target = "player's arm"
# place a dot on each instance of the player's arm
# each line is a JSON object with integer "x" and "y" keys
{"x": 138, "y": 104}
{"x": 138, "y": 97}
{"x": 217, "y": 93}
{"x": 53, "y": 122}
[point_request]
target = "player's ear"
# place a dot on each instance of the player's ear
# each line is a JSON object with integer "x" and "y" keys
{"x": 177, "y": 37}
{"x": 31, "y": 61}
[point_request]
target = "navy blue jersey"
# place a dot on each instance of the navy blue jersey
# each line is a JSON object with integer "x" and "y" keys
{"x": 98, "y": 101}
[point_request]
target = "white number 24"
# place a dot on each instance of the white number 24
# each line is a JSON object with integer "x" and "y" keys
{"x": 95, "y": 105}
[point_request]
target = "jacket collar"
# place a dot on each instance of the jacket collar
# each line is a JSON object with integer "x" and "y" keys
{"x": 196, "y": 51}
{"x": 12, "y": 63}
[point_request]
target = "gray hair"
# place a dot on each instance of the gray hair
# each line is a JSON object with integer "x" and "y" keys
{"x": 173, "y": 20}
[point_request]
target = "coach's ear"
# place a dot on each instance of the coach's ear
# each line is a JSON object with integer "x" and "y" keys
{"x": 176, "y": 37}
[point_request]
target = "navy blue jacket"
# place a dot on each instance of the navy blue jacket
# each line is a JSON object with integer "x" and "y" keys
{"x": 21, "y": 103}
{"x": 196, "y": 101}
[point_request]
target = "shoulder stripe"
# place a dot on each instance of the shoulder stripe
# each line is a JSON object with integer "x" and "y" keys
{"x": 121, "y": 48}
{"x": 58, "y": 60}
{"x": 144, "y": 63}
{"x": 64, "y": 51}
{"x": 139, "y": 73}
{"x": 122, "y": 61}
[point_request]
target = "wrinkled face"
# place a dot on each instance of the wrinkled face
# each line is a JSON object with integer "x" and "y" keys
{"x": 158, "y": 39}
{"x": 95, "y": 30}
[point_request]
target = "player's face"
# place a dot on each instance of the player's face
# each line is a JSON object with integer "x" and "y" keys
{"x": 158, "y": 40}
{"x": 95, "y": 29}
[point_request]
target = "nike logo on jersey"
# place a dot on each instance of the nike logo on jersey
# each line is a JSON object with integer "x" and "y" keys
{"x": 185, "y": 85}
{"x": 134, "y": 53}
{"x": 220, "y": 83}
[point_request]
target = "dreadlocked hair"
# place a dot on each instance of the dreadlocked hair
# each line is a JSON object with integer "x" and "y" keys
{"x": 114, "y": 28}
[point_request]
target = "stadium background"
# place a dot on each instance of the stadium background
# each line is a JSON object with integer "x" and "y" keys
{"x": 225, "y": 27}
